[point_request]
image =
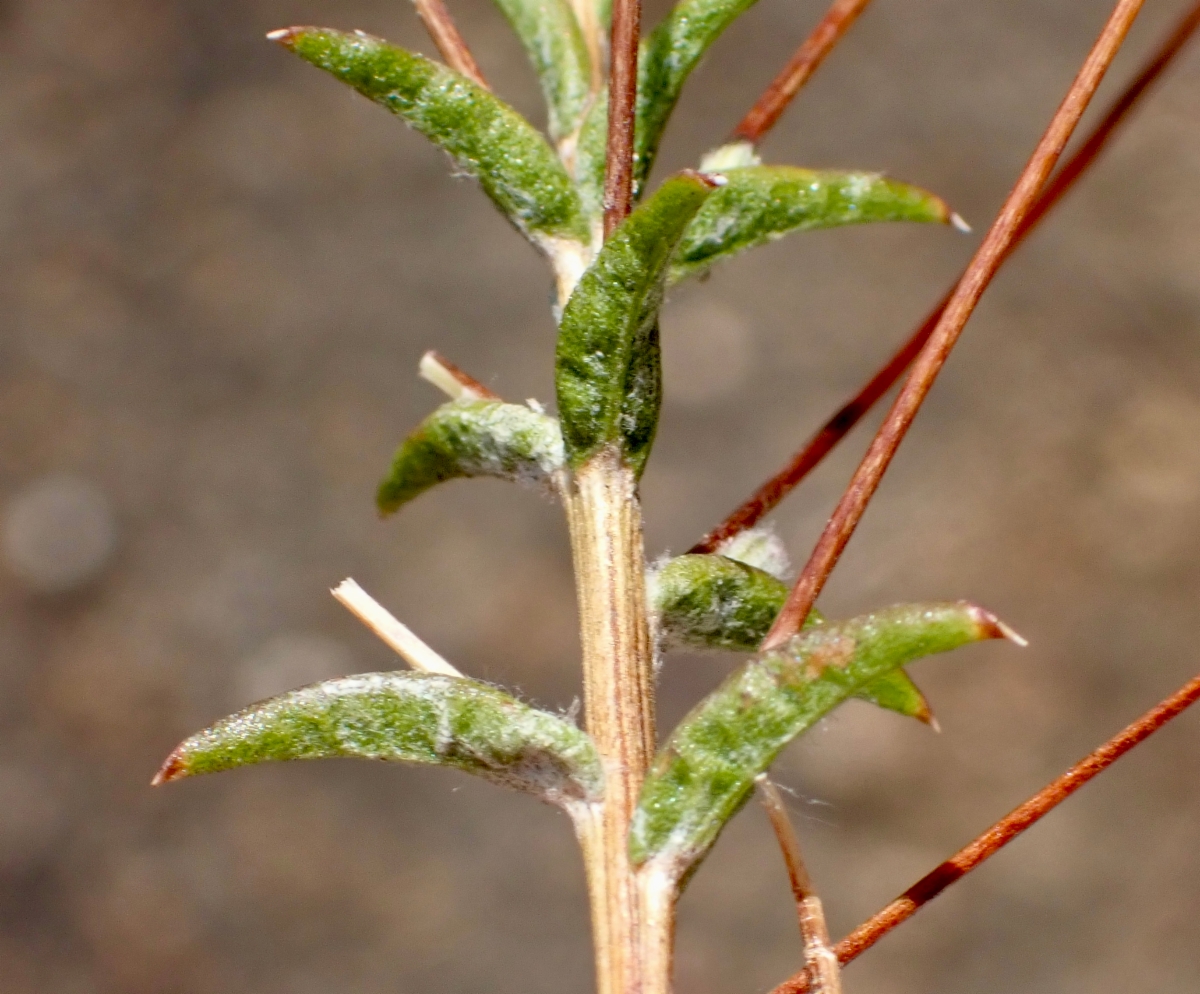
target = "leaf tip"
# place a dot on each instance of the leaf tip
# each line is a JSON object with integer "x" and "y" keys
{"x": 932, "y": 722}
{"x": 959, "y": 223}
{"x": 993, "y": 628}
{"x": 173, "y": 769}
{"x": 284, "y": 36}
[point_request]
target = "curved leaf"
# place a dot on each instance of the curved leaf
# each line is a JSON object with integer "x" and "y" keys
{"x": 554, "y": 42}
{"x": 473, "y": 438}
{"x": 718, "y": 602}
{"x": 406, "y": 717}
{"x": 484, "y": 136}
{"x": 762, "y": 203}
{"x": 706, "y": 770}
{"x": 667, "y": 58}
{"x": 714, "y": 602}
{"x": 608, "y": 366}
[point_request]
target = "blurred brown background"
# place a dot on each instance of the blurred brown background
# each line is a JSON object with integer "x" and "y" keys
{"x": 219, "y": 271}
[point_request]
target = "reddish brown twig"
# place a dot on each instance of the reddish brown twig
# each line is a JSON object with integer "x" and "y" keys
{"x": 784, "y": 87}
{"x": 821, "y": 962}
{"x": 622, "y": 98}
{"x": 767, "y": 497}
{"x": 962, "y": 302}
{"x": 450, "y": 43}
{"x": 1003, "y": 832}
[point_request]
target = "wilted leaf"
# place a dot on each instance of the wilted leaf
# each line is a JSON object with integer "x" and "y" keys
{"x": 406, "y": 717}
{"x": 717, "y": 602}
{"x": 762, "y": 203}
{"x": 608, "y": 367}
{"x": 550, "y": 33}
{"x": 706, "y": 770}
{"x": 473, "y": 438}
{"x": 484, "y": 136}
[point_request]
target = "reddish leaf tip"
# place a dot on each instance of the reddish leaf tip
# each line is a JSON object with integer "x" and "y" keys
{"x": 172, "y": 769}
{"x": 285, "y": 36}
{"x": 993, "y": 628}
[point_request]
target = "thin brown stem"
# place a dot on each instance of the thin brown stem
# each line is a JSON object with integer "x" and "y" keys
{"x": 962, "y": 303}
{"x": 622, "y": 100}
{"x": 1004, "y": 831}
{"x": 784, "y": 87}
{"x": 821, "y": 963}
{"x": 450, "y": 43}
{"x": 767, "y": 497}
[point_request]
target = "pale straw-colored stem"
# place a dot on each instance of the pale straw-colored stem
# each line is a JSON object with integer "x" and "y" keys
{"x": 397, "y": 635}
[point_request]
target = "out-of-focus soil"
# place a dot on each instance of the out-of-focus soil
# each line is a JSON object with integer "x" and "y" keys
{"x": 218, "y": 272}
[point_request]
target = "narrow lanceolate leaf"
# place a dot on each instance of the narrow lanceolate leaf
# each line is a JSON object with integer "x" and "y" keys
{"x": 608, "y": 368}
{"x": 667, "y": 58}
{"x": 483, "y": 135}
{"x": 762, "y": 203}
{"x": 474, "y": 438}
{"x": 406, "y": 717}
{"x": 555, "y": 45}
{"x": 706, "y": 770}
{"x": 717, "y": 602}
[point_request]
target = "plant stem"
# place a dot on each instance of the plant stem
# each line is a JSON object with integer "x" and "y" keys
{"x": 784, "y": 87}
{"x": 450, "y": 43}
{"x": 632, "y": 916}
{"x": 767, "y": 497}
{"x": 962, "y": 303}
{"x": 821, "y": 963}
{"x": 622, "y": 102}
{"x": 1004, "y": 831}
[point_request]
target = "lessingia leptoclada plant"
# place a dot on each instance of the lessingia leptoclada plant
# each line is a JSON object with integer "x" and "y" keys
{"x": 705, "y": 771}
{"x": 609, "y": 385}
{"x": 405, "y": 717}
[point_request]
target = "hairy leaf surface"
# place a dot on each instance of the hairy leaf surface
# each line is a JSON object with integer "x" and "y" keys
{"x": 407, "y": 717}
{"x": 473, "y": 438}
{"x": 554, "y": 43}
{"x": 484, "y": 135}
{"x": 608, "y": 367}
{"x": 706, "y": 770}
{"x": 762, "y": 203}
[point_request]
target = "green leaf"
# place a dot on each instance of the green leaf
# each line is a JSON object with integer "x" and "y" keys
{"x": 717, "y": 602}
{"x": 762, "y": 203}
{"x": 407, "y": 717}
{"x": 706, "y": 770}
{"x": 608, "y": 367}
{"x": 483, "y": 135}
{"x": 713, "y": 602}
{"x": 667, "y": 58}
{"x": 474, "y": 438}
{"x": 554, "y": 42}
